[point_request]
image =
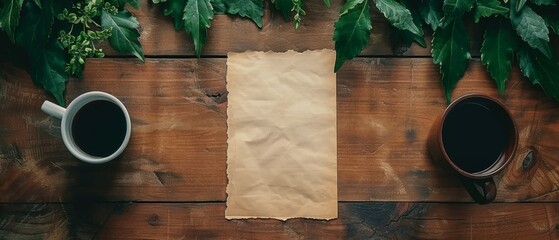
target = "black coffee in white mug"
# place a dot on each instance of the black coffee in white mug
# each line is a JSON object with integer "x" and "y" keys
{"x": 95, "y": 126}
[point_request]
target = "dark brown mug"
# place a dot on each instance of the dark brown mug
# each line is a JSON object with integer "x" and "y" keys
{"x": 476, "y": 137}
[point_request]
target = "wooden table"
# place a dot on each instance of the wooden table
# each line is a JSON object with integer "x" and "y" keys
{"x": 170, "y": 182}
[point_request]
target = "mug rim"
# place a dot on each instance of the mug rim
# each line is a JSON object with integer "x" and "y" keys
{"x": 78, "y": 103}
{"x": 484, "y": 173}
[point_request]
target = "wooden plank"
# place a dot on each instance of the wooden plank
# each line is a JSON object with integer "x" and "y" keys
{"x": 378, "y": 220}
{"x": 178, "y": 148}
{"x": 235, "y": 34}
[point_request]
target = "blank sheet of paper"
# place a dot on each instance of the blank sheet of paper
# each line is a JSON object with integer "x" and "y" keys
{"x": 282, "y": 149}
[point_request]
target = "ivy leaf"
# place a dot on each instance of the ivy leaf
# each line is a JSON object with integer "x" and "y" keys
{"x": 253, "y": 9}
{"x": 431, "y": 12}
{"x": 47, "y": 69}
{"x": 398, "y": 15}
{"x": 327, "y": 2}
{"x": 125, "y": 34}
{"x": 35, "y": 25}
{"x": 540, "y": 70}
{"x": 175, "y": 9}
{"x": 532, "y": 29}
{"x": 543, "y": 2}
{"x": 454, "y": 9}
{"x": 198, "y": 16}
{"x": 486, "y": 8}
{"x": 450, "y": 51}
{"x": 351, "y": 31}
{"x": 9, "y": 17}
{"x": 285, "y": 7}
{"x": 497, "y": 51}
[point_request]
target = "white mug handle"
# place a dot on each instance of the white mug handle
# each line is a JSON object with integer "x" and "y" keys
{"x": 53, "y": 109}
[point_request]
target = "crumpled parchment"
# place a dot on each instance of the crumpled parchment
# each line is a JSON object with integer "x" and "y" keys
{"x": 282, "y": 149}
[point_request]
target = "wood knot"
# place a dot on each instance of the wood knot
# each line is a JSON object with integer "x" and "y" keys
{"x": 529, "y": 160}
{"x": 411, "y": 135}
{"x": 153, "y": 220}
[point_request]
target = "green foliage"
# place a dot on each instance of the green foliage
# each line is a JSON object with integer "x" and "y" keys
{"x": 431, "y": 12}
{"x": 299, "y": 12}
{"x": 351, "y": 31}
{"x": 175, "y": 9}
{"x": 497, "y": 51}
{"x": 285, "y": 6}
{"x": 532, "y": 29}
{"x": 487, "y": 8}
{"x": 506, "y": 23}
{"x": 404, "y": 38}
{"x": 399, "y": 16}
{"x": 9, "y": 17}
{"x": 253, "y": 9}
{"x": 55, "y": 37}
{"x": 540, "y": 70}
{"x": 198, "y": 16}
{"x": 48, "y": 69}
{"x": 450, "y": 51}
{"x": 454, "y": 9}
{"x": 124, "y": 37}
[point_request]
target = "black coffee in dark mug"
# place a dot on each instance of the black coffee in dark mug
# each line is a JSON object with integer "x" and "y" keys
{"x": 477, "y": 137}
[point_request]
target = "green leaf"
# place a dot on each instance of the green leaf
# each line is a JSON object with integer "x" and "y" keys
{"x": 175, "y": 8}
{"x": 253, "y": 9}
{"x": 540, "y": 70}
{"x": 285, "y": 7}
{"x": 9, "y": 17}
{"x": 454, "y": 9}
{"x": 402, "y": 39}
{"x": 125, "y": 34}
{"x": 198, "y": 16}
{"x": 47, "y": 69}
{"x": 351, "y": 31}
{"x": 520, "y": 4}
{"x": 431, "y": 12}
{"x": 450, "y": 51}
{"x": 35, "y": 25}
{"x": 398, "y": 15}
{"x": 497, "y": 51}
{"x": 532, "y": 29}
{"x": 327, "y": 2}
{"x": 544, "y": 2}
{"x": 218, "y": 6}
{"x": 486, "y": 8}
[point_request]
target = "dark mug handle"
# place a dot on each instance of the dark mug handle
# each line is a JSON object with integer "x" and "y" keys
{"x": 483, "y": 191}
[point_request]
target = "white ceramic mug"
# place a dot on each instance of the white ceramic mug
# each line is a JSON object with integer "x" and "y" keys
{"x": 67, "y": 117}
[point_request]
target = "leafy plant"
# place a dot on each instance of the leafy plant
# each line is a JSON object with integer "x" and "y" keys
{"x": 55, "y": 37}
{"x": 515, "y": 29}
{"x": 509, "y": 27}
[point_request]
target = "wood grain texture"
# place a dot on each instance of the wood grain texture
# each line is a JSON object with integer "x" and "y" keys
{"x": 178, "y": 148}
{"x": 378, "y": 220}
